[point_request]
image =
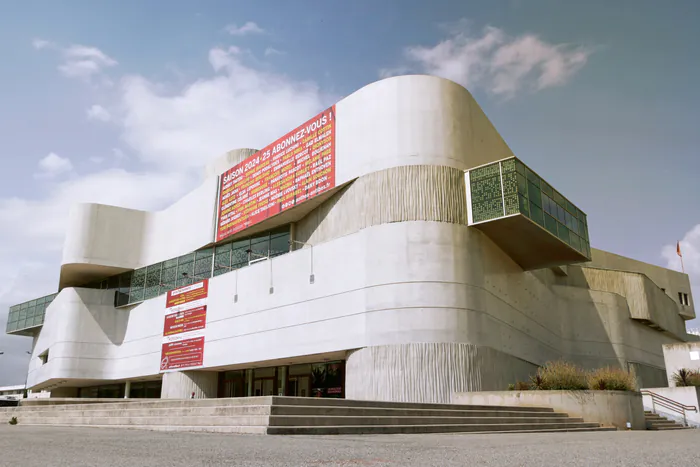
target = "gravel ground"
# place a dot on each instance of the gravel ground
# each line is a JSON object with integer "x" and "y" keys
{"x": 31, "y": 446}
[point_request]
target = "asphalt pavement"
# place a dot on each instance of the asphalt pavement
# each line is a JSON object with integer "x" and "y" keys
{"x": 32, "y": 446}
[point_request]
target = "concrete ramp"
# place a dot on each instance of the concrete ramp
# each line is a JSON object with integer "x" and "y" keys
{"x": 298, "y": 416}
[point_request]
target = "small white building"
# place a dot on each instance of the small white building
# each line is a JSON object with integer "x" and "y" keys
{"x": 12, "y": 392}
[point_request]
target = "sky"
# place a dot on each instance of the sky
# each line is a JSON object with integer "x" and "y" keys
{"x": 123, "y": 103}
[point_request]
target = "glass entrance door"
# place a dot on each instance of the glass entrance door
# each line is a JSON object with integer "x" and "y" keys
{"x": 264, "y": 387}
{"x": 298, "y": 386}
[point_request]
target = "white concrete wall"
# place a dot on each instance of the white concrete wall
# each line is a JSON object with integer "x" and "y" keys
{"x": 681, "y": 355}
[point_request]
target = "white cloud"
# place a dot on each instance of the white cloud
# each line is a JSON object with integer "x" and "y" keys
{"x": 42, "y": 44}
{"x": 238, "y": 106}
{"x": 272, "y": 51}
{"x": 248, "y": 28}
{"x": 99, "y": 113}
{"x": 79, "y": 61}
{"x": 53, "y": 165}
{"x": 84, "y": 62}
{"x": 494, "y": 61}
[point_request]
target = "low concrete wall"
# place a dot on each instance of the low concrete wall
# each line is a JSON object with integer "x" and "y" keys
{"x": 609, "y": 408}
{"x": 687, "y": 396}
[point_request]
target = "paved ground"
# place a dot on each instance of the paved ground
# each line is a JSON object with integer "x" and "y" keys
{"x": 77, "y": 447}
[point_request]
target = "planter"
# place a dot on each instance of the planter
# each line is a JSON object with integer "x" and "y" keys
{"x": 609, "y": 408}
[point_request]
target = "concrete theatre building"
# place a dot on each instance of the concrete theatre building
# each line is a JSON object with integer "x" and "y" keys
{"x": 390, "y": 248}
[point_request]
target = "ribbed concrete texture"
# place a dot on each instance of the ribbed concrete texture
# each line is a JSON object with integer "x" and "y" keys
{"x": 429, "y": 372}
{"x": 400, "y": 194}
{"x": 299, "y": 415}
{"x": 181, "y": 384}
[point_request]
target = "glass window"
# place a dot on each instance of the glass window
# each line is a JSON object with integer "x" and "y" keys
{"x": 569, "y": 219}
{"x": 202, "y": 267}
{"x": 522, "y": 185}
{"x": 550, "y": 224}
{"x": 260, "y": 247}
{"x": 185, "y": 270}
{"x": 279, "y": 243}
{"x": 222, "y": 259}
{"x": 536, "y": 214}
{"x": 561, "y": 214}
{"x": 524, "y": 209}
{"x": 239, "y": 253}
{"x": 532, "y": 177}
{"x": 519, "y": 167}
{"x": 138, "y": 281}
{"x": 545, "y": 204}
{"x": 575, "y": 241}
{"x": 534, "y": 194}
{"x": 563, "y": 232}
{"x": 152, "y": 281}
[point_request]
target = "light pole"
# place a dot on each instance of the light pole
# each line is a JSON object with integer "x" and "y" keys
{"x": 312, "y": 278}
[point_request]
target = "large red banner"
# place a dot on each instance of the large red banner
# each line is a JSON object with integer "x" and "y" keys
{"x": 293, "y": 169}
{"x": 182, "y": 354}
{"x": 183, "y": 327}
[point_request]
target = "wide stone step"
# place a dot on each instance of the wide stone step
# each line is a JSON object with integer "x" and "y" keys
{"x": 284, "y": 420}
{"x": 331, "y": 420}
{"x": 266, "y": 400}
{"x": 395, "y": 429}
{"x": 286, "y": 410}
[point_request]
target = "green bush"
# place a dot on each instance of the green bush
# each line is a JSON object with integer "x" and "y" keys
{"x": 522, "y": 386}
{"x": 559, "y": 375}
{"x": 13, "y": 421}
{"x": 611, "y": 379}
{"x": 685, "y": 378}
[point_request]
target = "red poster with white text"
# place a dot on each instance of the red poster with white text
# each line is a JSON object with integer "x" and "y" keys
{"x": 183, "y": 327}
{"x": 298, "y": 166}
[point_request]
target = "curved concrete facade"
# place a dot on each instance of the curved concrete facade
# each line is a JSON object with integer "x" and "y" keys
{"x": 418, "y": 303}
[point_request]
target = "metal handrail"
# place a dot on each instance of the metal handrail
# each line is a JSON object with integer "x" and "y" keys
{"x": 670, "y": 404}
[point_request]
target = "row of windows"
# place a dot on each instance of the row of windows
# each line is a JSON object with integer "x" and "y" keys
{"x": 156, "y": 279}
{"x": 28, "y": 314}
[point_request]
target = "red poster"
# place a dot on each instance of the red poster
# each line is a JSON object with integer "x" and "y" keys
{"x": 182, "y": 354}
{"x": 185, "y": 321}
{"x": 188, "y": 293}
{"x": 293, "y": 169}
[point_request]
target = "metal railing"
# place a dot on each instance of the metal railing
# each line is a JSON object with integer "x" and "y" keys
{"x": 669, "y": 404}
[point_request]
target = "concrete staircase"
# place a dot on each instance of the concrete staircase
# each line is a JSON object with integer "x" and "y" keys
{"x": 656, "y": 422}
{"x": 299, "y": 416}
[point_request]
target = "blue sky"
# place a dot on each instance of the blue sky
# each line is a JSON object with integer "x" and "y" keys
{"x": 123, "y": 102}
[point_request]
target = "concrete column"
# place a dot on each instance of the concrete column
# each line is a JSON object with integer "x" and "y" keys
{"x": 249, "y": 381}
{"x": 282, "y": 380}
{"x": 181, "y": 384}
{"x": 127, "y": 389}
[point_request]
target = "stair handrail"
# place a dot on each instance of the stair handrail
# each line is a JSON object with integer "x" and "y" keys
{"x": 670, "y": 404}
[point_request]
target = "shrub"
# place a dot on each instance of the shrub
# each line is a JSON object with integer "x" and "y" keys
{"x": 685, "y": 377}
{"x": 522, "y": 386}
{"x": 13, "y": 421}
{"x": 559, "y": 375}
{"x": 611, "y": 379}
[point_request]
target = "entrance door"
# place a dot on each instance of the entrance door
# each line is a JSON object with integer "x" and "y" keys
{"x": 298, "y": 386}
{"x": 264, "y": 387}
